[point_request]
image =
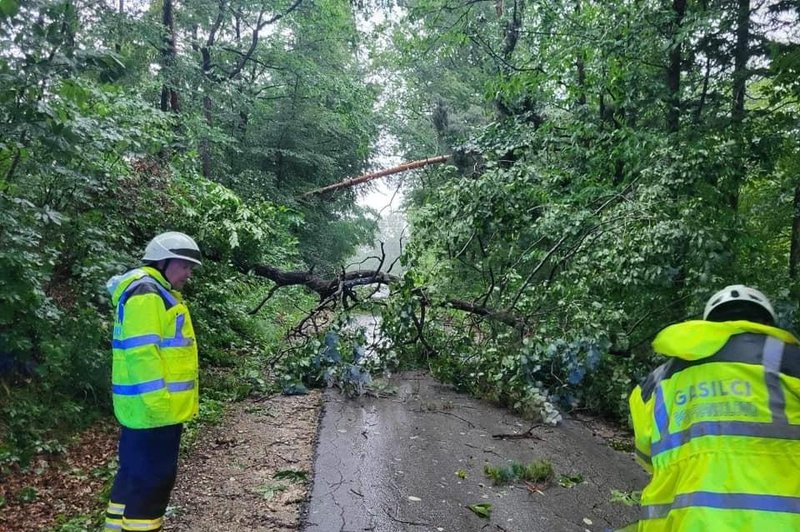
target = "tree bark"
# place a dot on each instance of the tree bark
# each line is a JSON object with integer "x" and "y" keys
{"x": 513, "y": 29}
{"x": 208, "y": 76}
{"x": 169, "y": 54}
{"x": 325, "y": 288}
{"x": 794, "y": 252}
{"x": 375, "y": 175}
{"x": 331, "y": 288}
{"x": 698, "y": 115}
{"x": 674, "y": 69}
{"x": 121, "y": 10}
{"x": 580, "y": 67}
{"x": 68, "y": 24}
{"x": 205, "y": 143}
{"x": 740, "y": 56}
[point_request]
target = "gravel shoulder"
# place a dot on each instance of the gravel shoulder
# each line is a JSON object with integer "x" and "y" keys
{"x": 228, "y": 483}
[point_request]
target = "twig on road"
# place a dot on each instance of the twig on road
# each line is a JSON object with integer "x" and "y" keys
{"x": 393, "y": 518}
{"x": 468, "y": 422}
{"x": 527, "y": 434}
{"x": 484, "y": 450}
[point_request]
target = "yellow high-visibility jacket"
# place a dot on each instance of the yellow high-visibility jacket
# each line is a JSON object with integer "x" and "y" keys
{"x": 155, "y": 368}
{"x": 718, "y": 425}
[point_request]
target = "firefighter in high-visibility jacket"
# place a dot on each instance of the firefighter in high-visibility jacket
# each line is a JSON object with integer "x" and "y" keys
{"x": 718, "y": 425}
{"x": 154, "y": 380}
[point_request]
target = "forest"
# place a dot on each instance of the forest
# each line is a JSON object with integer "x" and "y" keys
{"x": 609, "y": 165}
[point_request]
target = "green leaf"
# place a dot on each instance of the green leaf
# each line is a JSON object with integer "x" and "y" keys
{"x": 8, "y": 8}
{"x": 268, "y": 491}
{"x": 628, "y": 498}
{"x": 291, "y": 475}
{"x": 28, "y": 494}
{"x": 483, "y": 509}
{"x": 568, "y": 481}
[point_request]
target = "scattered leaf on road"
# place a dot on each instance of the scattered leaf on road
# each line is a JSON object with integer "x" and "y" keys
{"x": 483, "y": 509}
{"x": 569, "y": 481}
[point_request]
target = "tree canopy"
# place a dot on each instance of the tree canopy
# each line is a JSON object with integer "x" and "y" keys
{"x": 610, "y": 165}
{"x": 618, "y": 164}
{"x": 124, "y": 119}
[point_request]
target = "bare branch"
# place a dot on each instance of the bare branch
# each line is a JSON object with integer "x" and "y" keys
{"x": 330, "y": 290}
{"x": 266, "y": 298}
{"x": 324, "y": 287}
{"x": 254, "y": 39}
{"x": 497, "y": 315}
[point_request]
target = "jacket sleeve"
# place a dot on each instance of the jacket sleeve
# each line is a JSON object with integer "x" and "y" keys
{"x": 142, "y": 331}
{"x": 642, "y": 418}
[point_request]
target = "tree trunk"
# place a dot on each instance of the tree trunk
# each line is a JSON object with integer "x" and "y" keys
{"x": 740, "y": 58}
{"x": 169, "y": 54}
{"x": 333, "y": 288}
{"x": 674, "y": 69}
{"x": 205, "y": 143}
{"x": 794, "y": 252}
{"x": 698, "y": 115}
{"x": 209, "y": 78}
{"x": 513, "y": 29}
{"x": 375, "y": 175}
{"x": 741, "y": 54}
{"x": 121, "y": 10}
{"x": 69, "y": 23}
{"x": 580, "y": 67}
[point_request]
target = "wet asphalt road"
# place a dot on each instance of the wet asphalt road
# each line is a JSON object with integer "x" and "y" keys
{"x": 396, "y": 464}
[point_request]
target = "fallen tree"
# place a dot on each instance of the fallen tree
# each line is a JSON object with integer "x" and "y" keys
{"x": 347, "y": 183}
{"x": 340, "y": 288}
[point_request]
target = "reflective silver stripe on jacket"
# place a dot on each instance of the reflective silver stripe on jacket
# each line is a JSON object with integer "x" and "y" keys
{"x": 778, "y": 428}
{"x": 724, "y": 501}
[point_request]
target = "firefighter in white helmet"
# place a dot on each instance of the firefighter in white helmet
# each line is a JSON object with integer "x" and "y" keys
{"x": 718, "y": 424}
{"x": 154, "y": 379}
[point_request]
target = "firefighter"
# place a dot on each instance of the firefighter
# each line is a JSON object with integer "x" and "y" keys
{"x": 718, "y": 424}
{"x": 154, "y": 379}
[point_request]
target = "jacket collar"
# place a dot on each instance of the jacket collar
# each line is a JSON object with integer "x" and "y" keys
{"x": 155, "y": 274}
{"x": 697, "y": 339}
{"x": 119, "y": 283}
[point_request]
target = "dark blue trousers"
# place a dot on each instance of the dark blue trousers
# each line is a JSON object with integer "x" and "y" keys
{"x": 148, "y": 466}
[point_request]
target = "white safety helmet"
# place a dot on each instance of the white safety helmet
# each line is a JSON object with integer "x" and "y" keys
{"x": 738, "y": 292}
{"x": 172, "y": 245}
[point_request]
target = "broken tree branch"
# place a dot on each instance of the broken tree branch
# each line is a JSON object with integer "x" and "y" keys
{"x": 347, "y": 183}
{"x": 331, "y": 289}
{"x": 324, "y": 287}
{"x": 497, "y": 315}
